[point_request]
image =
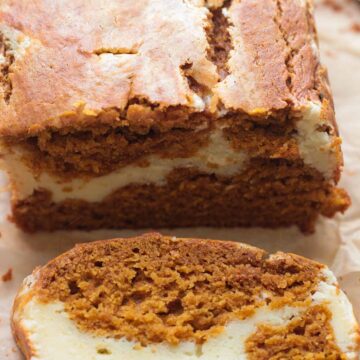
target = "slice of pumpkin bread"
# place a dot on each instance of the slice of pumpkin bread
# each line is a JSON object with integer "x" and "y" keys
{"x": 156, "y": 297}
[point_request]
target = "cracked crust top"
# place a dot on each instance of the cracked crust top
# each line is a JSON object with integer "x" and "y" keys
{"x": 64, "y": 58}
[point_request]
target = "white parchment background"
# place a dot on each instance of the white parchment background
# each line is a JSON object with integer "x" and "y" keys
{"x": 336, "y": 242}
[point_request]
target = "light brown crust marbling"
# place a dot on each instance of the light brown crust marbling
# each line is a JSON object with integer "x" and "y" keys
{"x": 65, "y": 60}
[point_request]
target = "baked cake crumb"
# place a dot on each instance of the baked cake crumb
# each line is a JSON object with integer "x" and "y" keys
{"x": 307, "y": 337}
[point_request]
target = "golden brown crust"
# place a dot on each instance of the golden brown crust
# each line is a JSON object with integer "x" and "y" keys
{"x": 297, "y": 27}
{"x": 155, "y": 288}
{"x": 67, "y": 62}
{"x": 257, "y": 68}
{"x": 101, "y": 58}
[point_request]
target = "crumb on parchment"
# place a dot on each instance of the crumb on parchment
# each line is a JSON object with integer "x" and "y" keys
{"x": 8, "y": 276}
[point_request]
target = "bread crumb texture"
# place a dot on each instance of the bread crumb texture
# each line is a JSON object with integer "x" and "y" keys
{"x": 265, "y": 194}
{"x": 156, "y": 289}
{"x": 309, "y": 336}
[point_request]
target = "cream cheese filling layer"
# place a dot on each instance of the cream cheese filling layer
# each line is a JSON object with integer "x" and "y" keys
{"x": 54, "y": 336}
{"x": 217, "y": 157}
{"x": 316, "y": 147}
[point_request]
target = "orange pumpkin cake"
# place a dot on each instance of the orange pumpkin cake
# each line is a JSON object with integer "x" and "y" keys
{"x": 166, "y": 113}
{"x": 158, "y": 297}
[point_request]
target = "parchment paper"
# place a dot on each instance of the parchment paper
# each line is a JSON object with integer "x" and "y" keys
{"x": 336, "y": 242}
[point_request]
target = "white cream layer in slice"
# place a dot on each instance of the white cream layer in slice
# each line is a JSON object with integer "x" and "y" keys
{"x": 54, "y": 336}
{"x": 217, "y": 157}
{"x": 316, "y": 147}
